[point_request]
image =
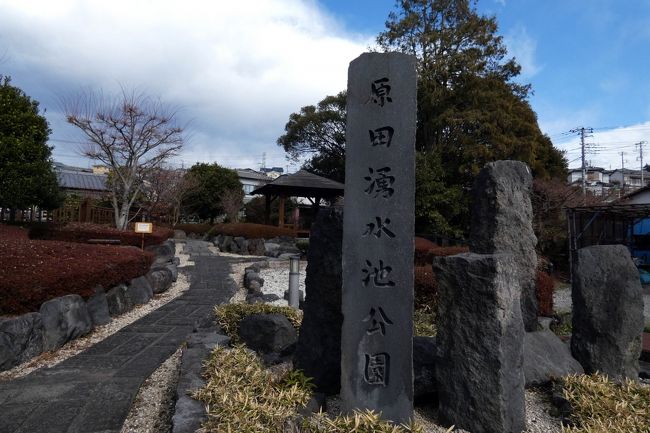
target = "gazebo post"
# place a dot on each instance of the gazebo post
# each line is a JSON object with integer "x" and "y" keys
{"x": 267, "y": 209}
{"x": 283, "y": 198}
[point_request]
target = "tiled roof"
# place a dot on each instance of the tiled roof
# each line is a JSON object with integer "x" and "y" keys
{"x": 248, "y": 173}
{"x": 81, "y": 180}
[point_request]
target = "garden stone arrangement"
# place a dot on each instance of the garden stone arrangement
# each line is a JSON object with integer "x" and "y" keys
{"x": 66, "y": 318}
{"x": 280, "y": 247}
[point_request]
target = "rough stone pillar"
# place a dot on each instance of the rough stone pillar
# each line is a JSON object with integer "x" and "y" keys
{"x": 502, "y": 216}
{"x": 480, "y": 343}
{"x": 607, "y": 311}
{"x": 318, "y": 352}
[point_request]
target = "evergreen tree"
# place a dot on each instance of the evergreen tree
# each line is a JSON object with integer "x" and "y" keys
{"x": 211, "y": 182}
{"x": 27, "y": 176}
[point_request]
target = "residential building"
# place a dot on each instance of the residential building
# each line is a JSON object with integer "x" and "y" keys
{"x": 251, "y": 180}
{"x": 83, "y": 182}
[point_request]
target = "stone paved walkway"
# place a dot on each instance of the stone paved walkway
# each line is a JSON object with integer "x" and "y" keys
{"x": 93, "y": 391}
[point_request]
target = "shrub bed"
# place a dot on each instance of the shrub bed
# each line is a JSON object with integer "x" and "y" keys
{"x": 425, "y": 251}
{"x": 32, "y": 272}
{"x": 229, "y": 316}
{"x": 82, "y": 232}
{"x": 196, "y": 229}
{"x": 251, "y": 231}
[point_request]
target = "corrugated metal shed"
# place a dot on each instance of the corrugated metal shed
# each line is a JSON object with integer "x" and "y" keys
{"x": 81, "y": 180}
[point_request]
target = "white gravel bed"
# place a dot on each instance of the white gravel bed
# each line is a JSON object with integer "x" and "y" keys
{"x": 99, "y": 333}
{"x": 154, "y": 405}
{"x": 276, "y": 279}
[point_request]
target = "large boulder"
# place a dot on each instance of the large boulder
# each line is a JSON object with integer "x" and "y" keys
{"x": 139, "y": 291}
{"x": 318, "y": 352}
{"x": 164, "y": 252}
{"x": 607, "y": 311}
{"x": 267, "y": 333}
{"x": 479, "y": 369}
{"x": 98, "y": 308}
{"x": 160, "y": 279}
{"x": 118, "y": 302}
{"x": 21, "y": 338}
{"x": 502, "y": 222}
{"x": 64, "y": 319}
{"x": 546, "y": 357}
{"x": 240, "y": 245}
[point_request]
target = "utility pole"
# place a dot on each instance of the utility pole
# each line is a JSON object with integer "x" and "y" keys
{"x": 583, "y": 134}
{"x": 623, "y": 170}
{"x": 640, "y": 144}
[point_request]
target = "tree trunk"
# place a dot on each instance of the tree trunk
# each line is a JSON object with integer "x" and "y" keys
{"x": 12, "y": 214}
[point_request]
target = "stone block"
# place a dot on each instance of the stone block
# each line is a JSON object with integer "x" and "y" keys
{"x": 139, "y": 291}
{"x": 98, "y": 308}
{"x": 502, "y": 216}
{"x": 160, "y": 279}
{"x": 267, "y": 332}
{"x": 607, "y": 311}
{"x": 64, "y": 319}
{"x": 252, "y": 276}
{"x": 424, "y": 367}
{"x": 118, "y": 302}
{"x": 21, "y": 338}
{"x": 546, "y": 357}
{"x": 480, "y": 342}
{"x": 256, "y": 247}
{"x": 318, "y": 352}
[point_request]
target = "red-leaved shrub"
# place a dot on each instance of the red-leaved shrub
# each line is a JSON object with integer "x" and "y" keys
{"x": 426, "y": 250}
{"x": 197, "y": 229}
{"x": 251, "y": 231}
{"x": 544, "y": 289}
{"x": 425, "y": 286}
{"x": 82, "y": 232}
{"x": 32, "y": 272}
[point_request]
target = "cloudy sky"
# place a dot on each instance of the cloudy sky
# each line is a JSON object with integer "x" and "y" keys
{"x": 238, "y": 69}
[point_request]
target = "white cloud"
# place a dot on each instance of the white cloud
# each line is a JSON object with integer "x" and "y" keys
{"x": 606, "y": 145}
{"x": 523, "y": 47}
{"x": 238, "y": 69}
{"x": 500, "y": 2}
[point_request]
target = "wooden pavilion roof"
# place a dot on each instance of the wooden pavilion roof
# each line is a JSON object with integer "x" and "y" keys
{"x": 302, "y": 184}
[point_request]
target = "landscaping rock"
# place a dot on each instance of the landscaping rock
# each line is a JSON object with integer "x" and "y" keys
{"x": 179, "y": 234}
{"x": 64, "y": 319}
{"x": 98, "y": 308}
{"x": 479, "y": 368}
{"x": 242, "y": 245}
{"x": 501, "y": 195}
{"x": 301, "y": 295}
{"x": 256, "y": 247}
{"x": 163, "y": 252}
{"x": 139, "y": 291}
{"x": 547, "y": 357}
{"x": 267, "y": 332}
{"x": 173, "y": 268}
{"x": 271, "y": 249}
{"x": 160, "y": 279}
{"x": 226, "y": 243}
{"x": 424, "y": 367}
{"x": 318, "y": 352}
{"x": 118, "y": 302}
{"x": 21, "y": 339}
{"x": 252, "y": 276}
{"x": 254, "y": 287}
{"x": 607, "y": 311}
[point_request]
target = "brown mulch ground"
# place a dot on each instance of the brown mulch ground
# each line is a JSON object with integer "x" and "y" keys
{"x": 34, "y": 271}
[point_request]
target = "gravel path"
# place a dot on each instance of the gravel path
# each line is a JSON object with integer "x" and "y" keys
{"x": 276, "y": 279}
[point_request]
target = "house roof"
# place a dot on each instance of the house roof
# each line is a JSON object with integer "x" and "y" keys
{"x": 81, "y": 180}
{"x": 302, "y": 184}
{"x": 249, "y": 173}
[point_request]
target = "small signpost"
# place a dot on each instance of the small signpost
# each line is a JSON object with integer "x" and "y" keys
{"x": 378, "y": 227}
{"x": 143, "y": 228}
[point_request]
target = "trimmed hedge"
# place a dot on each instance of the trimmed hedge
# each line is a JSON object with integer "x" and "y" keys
{"x": 425, "y": 251}
{"x": 251, "y": 231}
{"x": 197, "y": 229}
{"x": 32, "y": 272}
{"x": 82, "y": 232}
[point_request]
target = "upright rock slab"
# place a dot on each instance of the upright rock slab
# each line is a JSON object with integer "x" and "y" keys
{"x": 318, "y": 352}
{"x": 378, "y": 244}
{"x": 64, "y": 319}
{"x": 607, "y": 311}
{"x": 480, "y": 339}
{"x": 502, "y": 222}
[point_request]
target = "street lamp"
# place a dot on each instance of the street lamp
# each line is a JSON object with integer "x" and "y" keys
{"x": 294, "y": 275}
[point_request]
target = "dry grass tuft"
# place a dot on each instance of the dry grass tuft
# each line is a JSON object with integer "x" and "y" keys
{"x": 229, "y": 316}
{"x": 603, "y": 406}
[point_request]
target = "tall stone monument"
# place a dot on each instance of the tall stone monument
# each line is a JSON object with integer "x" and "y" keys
{"x": 378, "y": 244}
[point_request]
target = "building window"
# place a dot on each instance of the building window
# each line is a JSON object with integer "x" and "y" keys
{"x": 248, "y": 188}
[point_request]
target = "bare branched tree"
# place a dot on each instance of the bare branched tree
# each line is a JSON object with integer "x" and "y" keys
{"x": 131, "y": 133}
{"x": 232, "y": 201}
{"x": 164, "y": 191}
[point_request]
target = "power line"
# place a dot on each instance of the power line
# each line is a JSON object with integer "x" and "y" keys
{"x": 584, "y": 133}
